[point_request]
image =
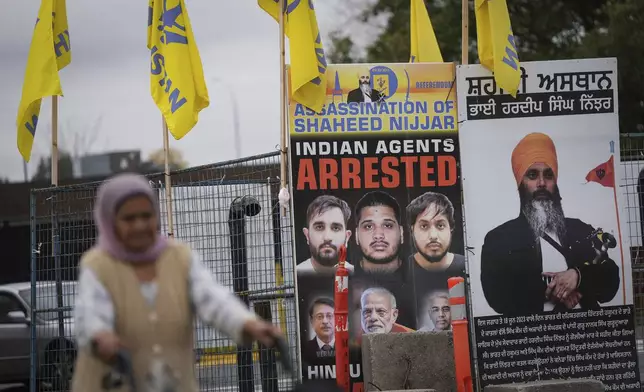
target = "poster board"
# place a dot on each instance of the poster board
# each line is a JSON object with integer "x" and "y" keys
{"x": 377, "y": 170}
{"x": 546, "y": 167}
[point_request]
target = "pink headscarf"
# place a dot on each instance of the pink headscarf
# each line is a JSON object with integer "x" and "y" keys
{"x": 111, "y": 194}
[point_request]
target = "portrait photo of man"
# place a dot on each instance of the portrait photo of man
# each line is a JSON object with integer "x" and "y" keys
{"x": 431, "y": 220}
{"x": 326, "y": 231}
{"x": 379, "y": 312}
{"x": 542, "y": 260}
{"x": 364, "y": 92}
{"x": 437, "y": 315}
{"x": 379, "y": 233}
{"x": 322, "y": 318}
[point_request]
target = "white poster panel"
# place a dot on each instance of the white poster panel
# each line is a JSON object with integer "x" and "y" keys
{"x": 549, "y": 266}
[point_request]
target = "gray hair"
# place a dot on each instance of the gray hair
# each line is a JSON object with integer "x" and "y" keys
{"x": 436, "y": 294}
{"x": 378, "y": 291}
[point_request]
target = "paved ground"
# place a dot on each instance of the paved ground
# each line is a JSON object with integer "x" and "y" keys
{"x": 12, "y": 388}
{"x": 223, "y": 377}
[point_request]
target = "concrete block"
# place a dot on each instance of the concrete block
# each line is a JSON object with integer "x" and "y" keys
{"x": 414, "y": 390}
{"x": 580, "y": 385}
{"x": 420, "y": 360}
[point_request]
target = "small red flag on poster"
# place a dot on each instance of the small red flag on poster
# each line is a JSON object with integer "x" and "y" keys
{"x": 603, "y": 174}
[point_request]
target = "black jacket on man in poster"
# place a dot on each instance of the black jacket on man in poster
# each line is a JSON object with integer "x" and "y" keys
{"x": 511, "y": 268}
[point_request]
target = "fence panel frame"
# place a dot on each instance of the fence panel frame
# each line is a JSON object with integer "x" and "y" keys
{"x": 61, "y": 215}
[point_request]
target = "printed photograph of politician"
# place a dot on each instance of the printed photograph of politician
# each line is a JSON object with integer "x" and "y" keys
{"x": 545, "y": 239}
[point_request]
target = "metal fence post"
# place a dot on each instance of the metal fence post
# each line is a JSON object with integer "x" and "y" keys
{"x": 268, "y": 366}
{"x": 239, "y": 209}
{"x": 55, "y": 239}
{"x": 33, "y": 356}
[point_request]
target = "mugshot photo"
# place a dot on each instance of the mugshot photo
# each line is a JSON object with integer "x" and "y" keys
{"x": 543, "y": 235}
{"x": 325, "y": 230}
{"x": 375, "y": 227}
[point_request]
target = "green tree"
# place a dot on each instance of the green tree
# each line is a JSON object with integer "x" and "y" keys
{"x": 623, "y": 38}
{"x": 65, "y": 168}
{"x": 157, "y": 159}
{"x": 544, "y": 30}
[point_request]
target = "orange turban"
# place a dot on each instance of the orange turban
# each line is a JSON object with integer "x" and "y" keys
{"x": 534, "y": 148}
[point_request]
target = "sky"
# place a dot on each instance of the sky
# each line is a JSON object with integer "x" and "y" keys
{"x": 107, "y": 104}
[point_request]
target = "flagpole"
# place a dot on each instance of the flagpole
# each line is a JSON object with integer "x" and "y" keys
{"x": 168, "y": 180}
{"x": 283, "y": 94}
{"x": 619, "y": 233}
{"x": 54, "y": 140}
{"x": 55, "y": 237}
{"x": 465, "y": 36}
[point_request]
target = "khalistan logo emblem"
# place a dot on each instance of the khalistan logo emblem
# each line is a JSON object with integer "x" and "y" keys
{"x": 600, "y": 173}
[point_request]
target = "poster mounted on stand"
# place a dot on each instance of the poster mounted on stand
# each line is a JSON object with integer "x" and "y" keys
{"x": 377, "y": 171}
{"x": 550, "y": 267}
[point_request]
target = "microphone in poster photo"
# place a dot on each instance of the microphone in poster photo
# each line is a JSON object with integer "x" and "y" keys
{"x": 327, "y": 219}
{"x": 562, "y": 265}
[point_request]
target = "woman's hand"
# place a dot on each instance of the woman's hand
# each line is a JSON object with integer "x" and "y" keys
{"x": 262, "y": 331}
{"x": 106, "y": 345}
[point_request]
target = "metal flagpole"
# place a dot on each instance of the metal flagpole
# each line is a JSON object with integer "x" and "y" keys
{"x": 168, "y": 180}
{"x": 55, "y": 237}
{"x": 283, "y": 95}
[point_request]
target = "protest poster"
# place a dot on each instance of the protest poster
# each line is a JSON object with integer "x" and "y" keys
{"x": 550, "y": 267}
{"x": 376, "y": 170}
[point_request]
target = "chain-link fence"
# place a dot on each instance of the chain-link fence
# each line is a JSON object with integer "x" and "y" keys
{"x": 229, "y": 214}
{"x": 632, "y": 175}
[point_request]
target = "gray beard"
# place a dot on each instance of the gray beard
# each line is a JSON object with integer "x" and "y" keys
{"x": 545, "y": 216}
{"x": 365, "y": 88}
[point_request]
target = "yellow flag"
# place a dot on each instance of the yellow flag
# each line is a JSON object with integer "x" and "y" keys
{"x": 50, "y": 52}
{"x": 496, "y": 46}
{"x": 308, "y": 62}
{"x": 177, "y": 82}
{"x": 424, "y": 46}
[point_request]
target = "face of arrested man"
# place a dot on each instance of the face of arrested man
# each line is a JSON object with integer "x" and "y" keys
{"x": 379, "y": 234}
{"x": 432, "y": 234}
{"x": 325, "y": 234}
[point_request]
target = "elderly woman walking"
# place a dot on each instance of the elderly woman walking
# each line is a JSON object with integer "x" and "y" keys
{"x": 140, "y": 291}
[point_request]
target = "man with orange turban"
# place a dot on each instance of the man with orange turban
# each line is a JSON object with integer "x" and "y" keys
{"x": 541, "y": 260}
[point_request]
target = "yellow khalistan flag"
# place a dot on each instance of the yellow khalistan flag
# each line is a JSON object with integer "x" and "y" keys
{"x": 177, "y": 82}
{"x": 496, "y": 46}
{"x": 50, "y": 52}
{"x": 424, "y": 46}
{"x": 308, "y": 62}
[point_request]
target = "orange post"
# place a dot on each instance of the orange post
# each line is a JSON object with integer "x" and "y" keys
{"x": 461, "y": 337}
{"x": 341, "y": 311}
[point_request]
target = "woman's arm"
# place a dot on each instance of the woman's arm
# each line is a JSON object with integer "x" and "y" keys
{"x": 215, "y": 305}
{"x": 93, "y": 310}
